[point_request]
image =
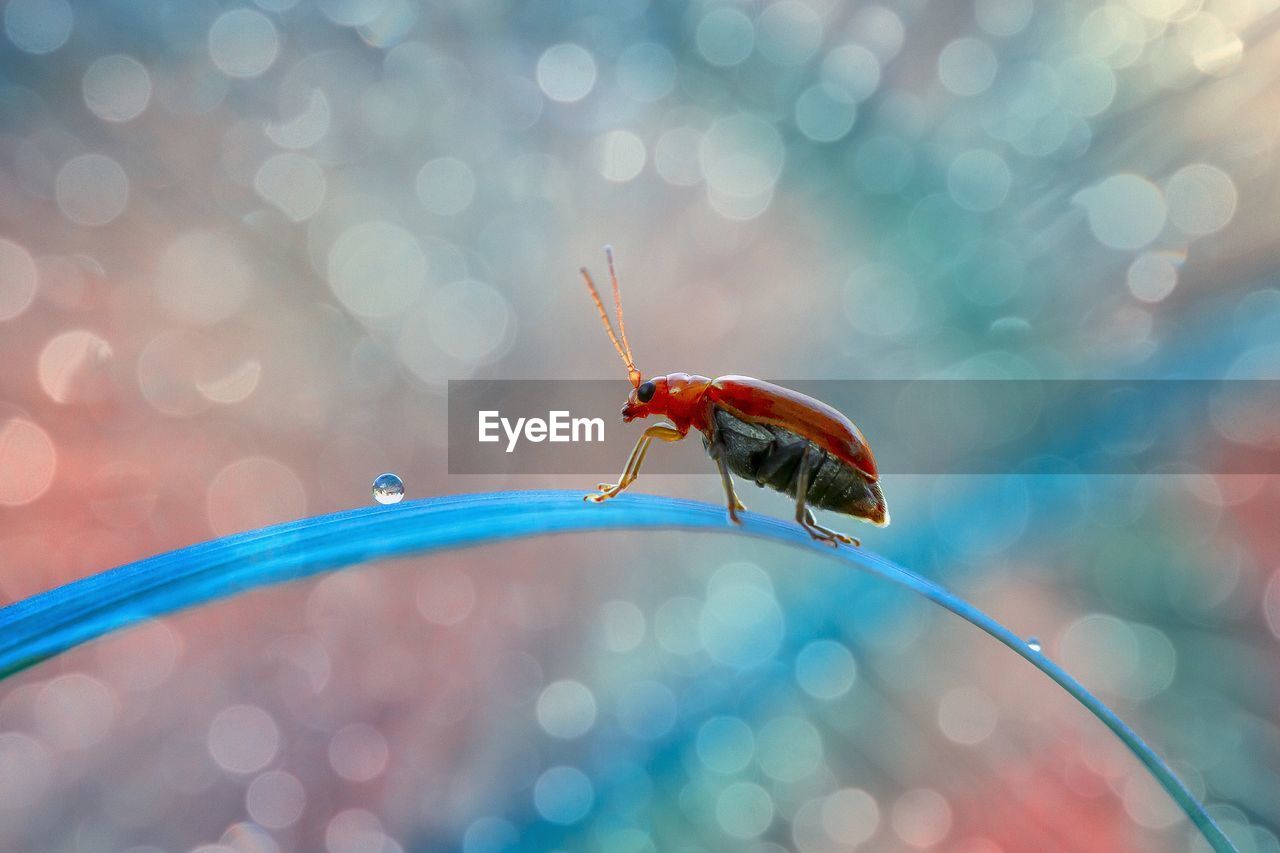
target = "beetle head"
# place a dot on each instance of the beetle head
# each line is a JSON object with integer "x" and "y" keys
{"x": 648, "y": 398}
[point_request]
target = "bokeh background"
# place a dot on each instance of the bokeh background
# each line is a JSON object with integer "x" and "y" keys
{"x": 243, "y": 247}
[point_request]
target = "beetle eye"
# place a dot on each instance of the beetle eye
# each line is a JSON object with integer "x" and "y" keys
{"x": 645, "y": 392}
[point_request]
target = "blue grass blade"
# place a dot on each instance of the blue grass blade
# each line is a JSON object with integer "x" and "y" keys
{"x": 47, "y": 624}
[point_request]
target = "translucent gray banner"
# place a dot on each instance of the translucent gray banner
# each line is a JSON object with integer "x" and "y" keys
{"x": 913, "y": 426}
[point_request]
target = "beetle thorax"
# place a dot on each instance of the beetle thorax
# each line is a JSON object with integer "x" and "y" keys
{"x": 685, "y": 402}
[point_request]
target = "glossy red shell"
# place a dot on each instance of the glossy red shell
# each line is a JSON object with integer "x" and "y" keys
{"x": 755, "y": 401}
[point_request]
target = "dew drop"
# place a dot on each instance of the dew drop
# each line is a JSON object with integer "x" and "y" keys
{"x": 1033, "y": 643}
{"x": 388, "y": 489}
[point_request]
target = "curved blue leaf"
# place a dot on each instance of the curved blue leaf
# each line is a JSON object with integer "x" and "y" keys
{"x": 49, "y": 623}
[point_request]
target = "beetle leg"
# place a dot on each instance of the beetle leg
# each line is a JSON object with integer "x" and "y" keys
{"x": 717, "y": 453}
{"x": 632, "y": 469}
{"x": 662, "y": 431}
{"x": 730, "y": 495}
{"x": 843, "y": 537}
{"x": 637, "y": 452}
{"x": 804, "y": 516}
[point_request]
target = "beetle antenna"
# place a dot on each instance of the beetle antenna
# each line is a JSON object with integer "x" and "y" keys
{"x": 617, "y": 305}
{"x": 632, "y": 373}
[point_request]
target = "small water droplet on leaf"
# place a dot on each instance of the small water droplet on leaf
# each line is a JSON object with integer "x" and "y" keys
{"x": 388, "y": 489}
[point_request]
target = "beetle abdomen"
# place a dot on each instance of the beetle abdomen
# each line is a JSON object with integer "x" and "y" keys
{"x": 770, "y": 457}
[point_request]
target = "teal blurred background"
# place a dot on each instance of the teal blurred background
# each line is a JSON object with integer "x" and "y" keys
{"x": 243, "y": 248}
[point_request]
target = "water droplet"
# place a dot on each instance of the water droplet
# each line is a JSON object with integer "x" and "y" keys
{"x": 1033, "y": 643}
{"x": 388, "y": 489}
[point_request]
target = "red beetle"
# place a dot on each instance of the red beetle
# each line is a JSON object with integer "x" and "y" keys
{"x": 762, "y": 432}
